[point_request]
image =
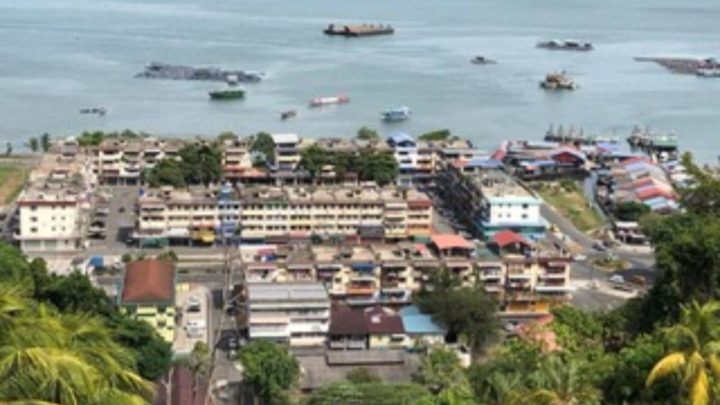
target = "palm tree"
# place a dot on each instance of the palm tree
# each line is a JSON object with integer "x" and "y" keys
{"x": 560, "y": 382}
{"x": 47, "y": 357}
{"x": 695, "y": 345}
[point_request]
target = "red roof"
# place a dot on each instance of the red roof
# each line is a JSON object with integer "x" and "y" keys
{"x": 381, "y": 321}
{"x": 505, "y": 238}
{"x": 498, "y": 154}
{"x": 149, "y": 281}
{"x": 450, "y": 241}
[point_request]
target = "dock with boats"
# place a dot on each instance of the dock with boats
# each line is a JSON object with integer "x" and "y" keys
{"x": 654, "y": 144}
{"x": 708, "y": 67}
{"x": 571, "y": 136}
{"x": 158, "y": 70}
{"x": 358, "y": 30}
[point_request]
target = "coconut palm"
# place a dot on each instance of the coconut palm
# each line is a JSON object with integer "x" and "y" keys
{"x": 47, "y": 357}
{"x": 695, "y": 345}
{"x": 561, "y": 382}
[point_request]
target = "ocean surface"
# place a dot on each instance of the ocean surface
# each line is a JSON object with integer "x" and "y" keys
{"x": 57, "y": 56}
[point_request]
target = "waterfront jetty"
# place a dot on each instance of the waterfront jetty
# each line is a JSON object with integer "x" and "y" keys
{"x": 158, "y": 70}
{"x": 358, "y": 30}
{"x": 687, "y": 66}
{"x": 579, "y": 137}
{"x": 658, "y": 146}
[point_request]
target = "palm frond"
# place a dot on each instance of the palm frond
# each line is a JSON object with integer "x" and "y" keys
{"x": 672, "y": 363}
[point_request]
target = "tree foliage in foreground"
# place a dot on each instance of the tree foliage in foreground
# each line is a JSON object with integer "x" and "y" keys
{"x": 75, "y": 294}
{"x": 50, "y": 357}
{"x": 269, "y": 369}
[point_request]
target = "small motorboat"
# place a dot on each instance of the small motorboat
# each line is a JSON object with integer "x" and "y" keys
{"x": 94, "y": 110}
{"x": 396, "y": 114}
{"x": 322, "y": 101}
{"x": 481, "y": 60}
{"x": 288, "y": 114}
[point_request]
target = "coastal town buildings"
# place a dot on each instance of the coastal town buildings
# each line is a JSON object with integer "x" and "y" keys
{"x": 278, "y": 215}
{"x": 148, "y": 293}
{"x": 489, "y": 200}
{"x": 287, "y": 152}
{"x": 54, "y": 206}
{"x": 526, "y": 279}
{"x": 294, "y": 313}
{"x": 121, "y": 161}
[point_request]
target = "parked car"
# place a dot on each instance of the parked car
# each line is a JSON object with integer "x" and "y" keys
{"x": 599, "y": 247}
{"x": 617, "y": 279}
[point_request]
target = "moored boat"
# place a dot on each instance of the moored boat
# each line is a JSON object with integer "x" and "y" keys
{"x": 396, "y": 114}
{"x": 321, "y": 101}
{"x": 558, "y": 81}
{"x": 481, "y": 60}
{"x": 566, "y": 45}
{"x": 288, "y": 114}
{"x": 358, "y": 30}
{"x": 93, "y": 110}
{"x": 231, "y": 92}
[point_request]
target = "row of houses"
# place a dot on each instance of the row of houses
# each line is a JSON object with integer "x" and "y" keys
{"x": 638, "y": 179}
{"x": 267, "y": 214}
{"x": 526, "y": 280}
{"x": 123, "y": 160}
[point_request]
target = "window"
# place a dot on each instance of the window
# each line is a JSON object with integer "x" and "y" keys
{"x": 33, "y": 207}
{"x": 33, "y": 219}
{"x": 525, "y": 206}
{"x": 33, "y": 230}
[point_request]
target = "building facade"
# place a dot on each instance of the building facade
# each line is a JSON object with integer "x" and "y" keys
{"x": 148, "y": 294}
{"x": 488, "y": 200}
{"x": 294, "y": 313}
{"x": 278, "y": 215}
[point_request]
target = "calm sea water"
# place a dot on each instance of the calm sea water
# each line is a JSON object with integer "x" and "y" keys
{"x": 57, "y": 56}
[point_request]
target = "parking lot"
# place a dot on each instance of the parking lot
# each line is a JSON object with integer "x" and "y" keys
{"x": 116, "y": 210}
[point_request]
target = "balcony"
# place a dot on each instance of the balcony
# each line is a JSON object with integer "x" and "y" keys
{"x": 523, "y": 274}
{"x": 490, "y": 275}
{"x": 553, "y": 288}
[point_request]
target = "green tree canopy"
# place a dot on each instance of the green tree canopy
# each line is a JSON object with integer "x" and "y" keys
{"x": 227, "y": 136}
{"x": 201, "y": 163}
{"x": 467, "y": 312}
{"x": 263, "y": 144}
{"x": 167, "y": 172}
{"x": 379, "y": 167}
{"x": 440, "y": 370}
{"x": 438, "y": 135}
{"x": 33, "y": 144}
{"x": 368, "y": 134}
{"x": 630, "y": 211}
{"x": 45, "y": 142}
{"x": 269, "y": 369}
{"x": 313, "y": 159}
{"x": 370, "y": 394}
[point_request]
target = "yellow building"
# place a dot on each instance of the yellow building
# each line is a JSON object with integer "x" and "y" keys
{"x": 148, "y": 294}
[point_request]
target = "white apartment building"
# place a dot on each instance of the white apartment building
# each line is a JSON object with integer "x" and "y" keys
{"x": 293, "y": 313}
{"x": 490, "y": 201}
{"x": 49, "y": 221}
{"x": 287, "y": 151}
{"x": 277, "y": 215}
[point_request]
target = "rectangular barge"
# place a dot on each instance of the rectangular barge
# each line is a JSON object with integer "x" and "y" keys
{"x": 359, "y": 30}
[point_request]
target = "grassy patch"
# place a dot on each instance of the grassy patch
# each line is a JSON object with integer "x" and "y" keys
{"x": 12, "y": 181}
{"x": 572, "y": 204}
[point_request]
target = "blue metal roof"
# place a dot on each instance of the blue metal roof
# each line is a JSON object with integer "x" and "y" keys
{"x": 484, "y": 164}
{"x": 399, "y": 137}
{"x": 416, "y": 322}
